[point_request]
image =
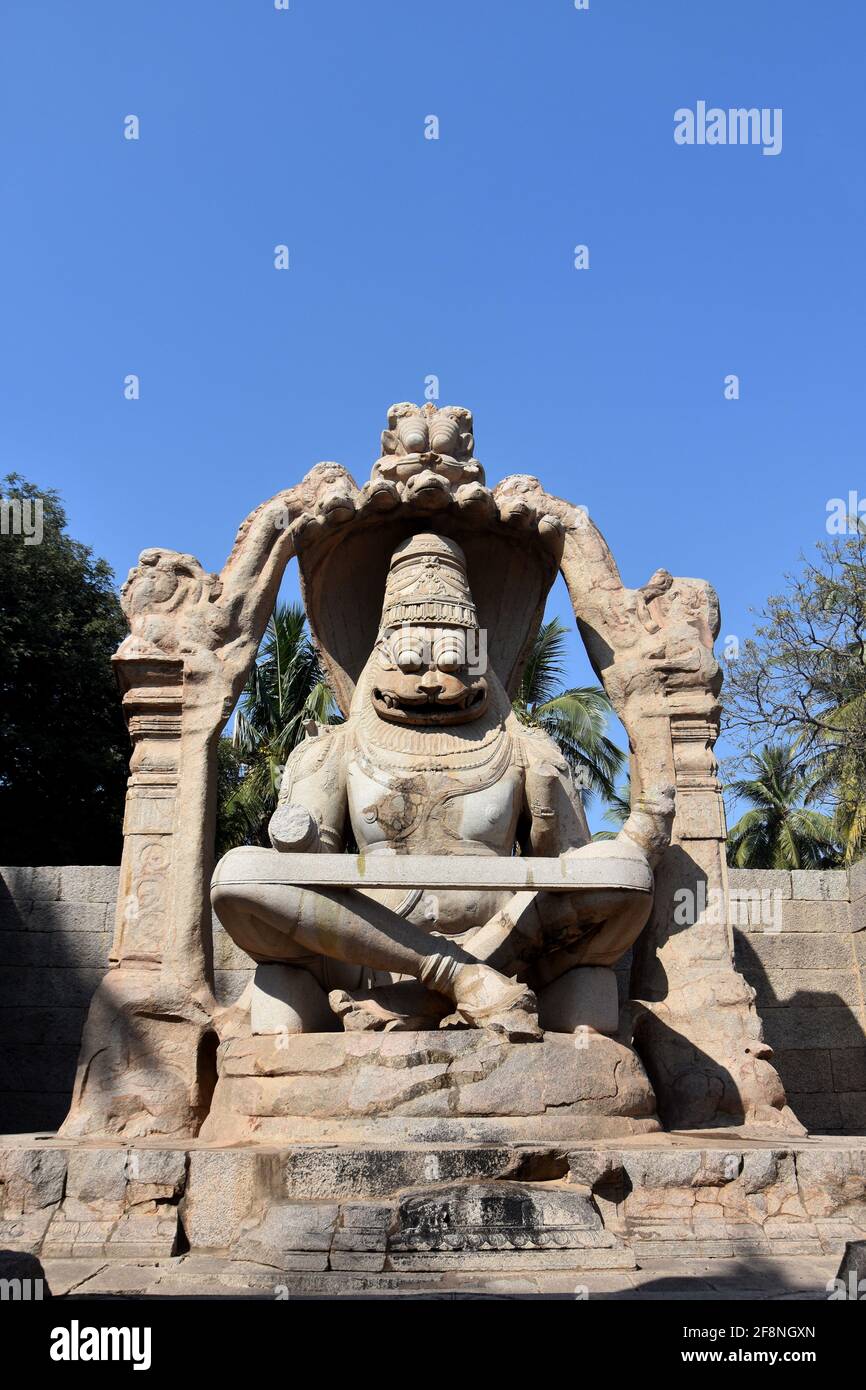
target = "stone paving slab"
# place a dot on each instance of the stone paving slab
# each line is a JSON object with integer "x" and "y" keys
{"x": 187, "y": 1276}
{"x": 734, "y": 1136}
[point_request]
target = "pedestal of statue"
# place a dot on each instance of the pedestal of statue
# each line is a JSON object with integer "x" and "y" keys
{"x": 436, "y": 1086}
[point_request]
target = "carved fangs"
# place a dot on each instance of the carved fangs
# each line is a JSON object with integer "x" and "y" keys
{"x": 470, "y": 705}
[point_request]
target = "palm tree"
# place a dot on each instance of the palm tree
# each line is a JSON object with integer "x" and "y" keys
{"x": 838, "y": 773}
{"x": 285, "y": 690}
{"x": 780, "y": 832}
{"x": 575, "y": 719}
{"x": 618, "y": 810}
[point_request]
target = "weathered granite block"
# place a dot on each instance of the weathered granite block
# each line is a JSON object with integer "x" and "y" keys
{"x": 38, "y": 1067}
{"x": 89, "y": 883}
{"x": 44, "y": 1024}
{"x": 13, "y": 914}
{"x": 71, "y": 917}
{"x": 22, "y": 948}
{"x": 39, "y": 950}
{"x": 747, "y": 881}
{"x": 848, "y": 1069}
{"x": 289, "y": 1229}
{"x": 225, "y": 1189}
{"x": 348, "y": 1171}
{"x": 164, "y": 1169}
{"x": 31, "y": 1178}
{"x": 816, "y": 915}
{"x": 227, "y": 956}
{"x": 820, "y": 884}
{"x": 806, "y": 1071}
{"x": 364, "y": 1226}
{"x": 229, "y": 985}
{"x": 96, "y": 1175}
{"x": 43, "y": 988}
{"x": 821, "y": 1114}
{"x": 26, "y": 884}
{"x": 79, "y": 950}
{"x": 852, "y": 1108}
{"x": 797, "y": 1027}
{"x": 277, "y": 1088}
{"x": 792, "y": 951}
{"x": 809, "y": 989}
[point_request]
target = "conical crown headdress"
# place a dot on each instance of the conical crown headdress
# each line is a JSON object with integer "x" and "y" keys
{"x": 427, "y": 583}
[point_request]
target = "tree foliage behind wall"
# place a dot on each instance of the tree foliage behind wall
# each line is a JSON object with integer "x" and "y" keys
{"x": 800, "y": 684}
{"x": 64, "y": 749}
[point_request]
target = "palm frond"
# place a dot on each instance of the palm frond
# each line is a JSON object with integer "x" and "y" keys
{"x": 285, "y": 690}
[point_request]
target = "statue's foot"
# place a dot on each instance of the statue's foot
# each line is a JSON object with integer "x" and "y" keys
{"x": 403, "y": 1007}
{"x": 485, "y": 999}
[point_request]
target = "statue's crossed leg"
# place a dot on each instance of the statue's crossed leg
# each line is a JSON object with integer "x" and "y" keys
{"x": 282, "y": 922}
{"x": 541, "y": 933}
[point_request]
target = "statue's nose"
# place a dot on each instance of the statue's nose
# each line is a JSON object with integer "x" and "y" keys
{"x": 429, "y": 683}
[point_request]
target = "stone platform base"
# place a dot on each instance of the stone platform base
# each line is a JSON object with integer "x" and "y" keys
{"x": 314, "y": 1216}
{"x": 463, "y": 1086}
{"x": 777, "y": 1277}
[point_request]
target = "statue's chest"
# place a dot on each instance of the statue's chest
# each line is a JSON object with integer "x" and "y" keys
{"x": 431, "y": 812}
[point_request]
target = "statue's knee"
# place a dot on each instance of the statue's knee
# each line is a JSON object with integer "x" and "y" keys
{"x": 286, "y": 999}
{"x": 239, "y": 915}
{"x": 585, "y": 997}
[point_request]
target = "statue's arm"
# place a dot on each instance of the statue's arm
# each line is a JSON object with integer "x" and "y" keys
{"x": 313, "y": 805}
{"x": 554, "y": 817}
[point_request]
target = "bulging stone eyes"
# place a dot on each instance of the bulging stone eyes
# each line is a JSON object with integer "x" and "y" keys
{"x": 413, "y": 436}
{"x": 444, "y": 437}
{"x": 448, "y": 653}
{"x": 409, "y": 656}
{"x": 412, "y": 653}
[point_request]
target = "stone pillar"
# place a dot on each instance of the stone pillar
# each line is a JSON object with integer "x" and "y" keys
{"x": 698, "y": 1032}
{"x": 153, "y": 703}
{"x": 147, "y": 1064}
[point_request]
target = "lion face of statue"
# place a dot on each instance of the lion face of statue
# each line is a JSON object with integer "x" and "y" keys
{"x": 428, "y": 676}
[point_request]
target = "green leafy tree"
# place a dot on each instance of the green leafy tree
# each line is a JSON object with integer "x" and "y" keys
{"x": 780, "y": 831}
{"x": 64, "y": 749}
{"x": 576, "y": 719}
{"x": 849, "y": 817}
{"x": 285, "y": 690}
{"x": 801, "y": 680}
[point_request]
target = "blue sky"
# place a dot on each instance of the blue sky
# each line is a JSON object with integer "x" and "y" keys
{"x": 454, "y": 257}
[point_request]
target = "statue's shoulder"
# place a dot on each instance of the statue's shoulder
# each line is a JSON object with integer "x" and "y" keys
{"x": 321, "y": 744}
{"x": 535, "y": 747}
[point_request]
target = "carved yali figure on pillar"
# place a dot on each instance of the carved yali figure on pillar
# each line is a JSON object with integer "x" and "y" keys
{"x": 431, "y": 761}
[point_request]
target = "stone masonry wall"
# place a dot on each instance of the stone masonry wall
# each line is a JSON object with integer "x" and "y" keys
{"x": 56, "y": 926}
{"x": 800, "y": 942}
